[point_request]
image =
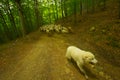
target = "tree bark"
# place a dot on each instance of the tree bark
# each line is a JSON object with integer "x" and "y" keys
{"x": 56, "y": 9}
{"x": 65, "y": 8}
{"x": 22, "y": 18}
{"x": 37, "y": 13}
{"x": 62, "y": 10}
{"x": 49, "y": 12}
{"x": 5, "y": 27}
{"x": 81, "y": 7}
{"x": 13, "y": 25}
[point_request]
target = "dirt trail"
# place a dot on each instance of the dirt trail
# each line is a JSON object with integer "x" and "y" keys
{"x": 43, "y": 60}
{"x": 40, "y": 58}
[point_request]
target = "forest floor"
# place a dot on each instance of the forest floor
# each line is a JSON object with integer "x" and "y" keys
{"x": 41, "y": 56}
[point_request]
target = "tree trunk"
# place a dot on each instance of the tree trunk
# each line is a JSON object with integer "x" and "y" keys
{"x": 22, "y": 18}
{"x": 37, "y": 13}
{"x": 13, "y": 25}
{"x": 56, "y": 9}
{"x": 49, "y": 12}
{"x": 81, "y": 7}
{"x": 6, "y": 31}
{"x": 62, "y": 10}
{"x": 65, "y": 8}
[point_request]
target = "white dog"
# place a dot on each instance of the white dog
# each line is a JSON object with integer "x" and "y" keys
{"x": 81, "y": 58}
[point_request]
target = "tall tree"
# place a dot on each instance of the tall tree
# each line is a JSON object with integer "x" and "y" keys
{"x": 4, "y": 31}
{"x": 22, "y": 17}
{"x": 49, "y": 11}
{"x": 62, "y": 8}
{"x": 65, "y": 7}
{"x": 81, "y": 7}
{"x": 12, "y": 20}
{"x": 37, "y": 13}
{"x": 56, "y": 8}
{"x": 3, "y": 22}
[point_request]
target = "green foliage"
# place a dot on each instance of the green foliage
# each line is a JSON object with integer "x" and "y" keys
{"x": 19, "y": 17}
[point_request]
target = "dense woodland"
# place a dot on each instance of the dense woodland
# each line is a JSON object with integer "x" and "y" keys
{"x": 34, "y": 36}
{"x": 20, "y": 17}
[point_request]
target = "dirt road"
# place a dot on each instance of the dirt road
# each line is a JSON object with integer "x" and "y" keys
{"x": 38, "y": 58}
{"x": 42, "y": 60}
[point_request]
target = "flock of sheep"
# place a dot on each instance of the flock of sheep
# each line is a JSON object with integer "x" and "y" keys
{"x": 55, "y": 28}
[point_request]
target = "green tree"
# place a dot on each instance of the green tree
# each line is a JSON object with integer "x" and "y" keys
{"x": 11, "y": 18}
{"x": 4, "y": 31}
{"x": 37, "y": 13}
{"x": 22, "y": 17}
{"x": 56, "y": 10}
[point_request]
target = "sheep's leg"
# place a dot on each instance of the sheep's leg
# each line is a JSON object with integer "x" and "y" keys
{"x": 82, "y": 70}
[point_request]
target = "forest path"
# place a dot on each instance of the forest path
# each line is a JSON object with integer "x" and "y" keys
{"x": 43, "y": 59}
{"x": 41, "y": 56}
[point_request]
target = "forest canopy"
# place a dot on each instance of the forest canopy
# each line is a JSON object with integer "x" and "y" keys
{"x": 20, "y": 17}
